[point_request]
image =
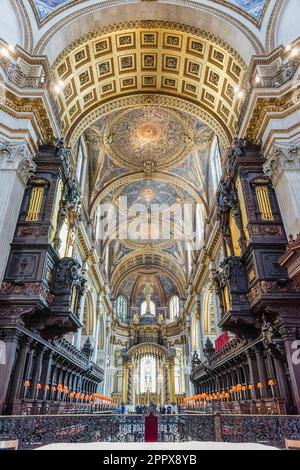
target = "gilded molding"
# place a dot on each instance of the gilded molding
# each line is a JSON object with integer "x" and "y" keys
{"x": 26, "y": 25}
{"x": 162, "y": 100}
{"x": 32, "y": 109}
{"x": 273, "y": 24}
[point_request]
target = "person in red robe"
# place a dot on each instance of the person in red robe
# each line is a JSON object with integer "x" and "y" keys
{"x": 151, "y": 428}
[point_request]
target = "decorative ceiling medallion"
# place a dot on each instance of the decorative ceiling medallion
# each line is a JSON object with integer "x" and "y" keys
{"x": 149, "y": 139}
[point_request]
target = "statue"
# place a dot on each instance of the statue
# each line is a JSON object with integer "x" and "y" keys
{"x": 136, "y": 319}
{"x": 73, "y": 195}
{"x": 160, "y": 318}
{"x": 88, "y": 349}
{"x": 148, "y": 291}
{"x": 268, "y": 332}
{"x": 237, "y": 151}
{"x": 224, "y": 196}
{"x": 195, "y": 360}
{"x": 238, "y": 147}
{"x": 208, "y": 348}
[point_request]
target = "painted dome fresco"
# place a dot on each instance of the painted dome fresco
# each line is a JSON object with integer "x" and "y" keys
{"x": 148, "y": 136}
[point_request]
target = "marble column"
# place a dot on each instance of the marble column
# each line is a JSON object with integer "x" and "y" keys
{"x": 16, "y": 167}
{"x": 124, "y": 384}
{"x": 77, "y": 336}
{"x": 283, "y": 167}
{"x": 96, "y": 339}
{"x": 172, "y": 383}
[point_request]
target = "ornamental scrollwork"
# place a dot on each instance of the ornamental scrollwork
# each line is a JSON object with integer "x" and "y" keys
{"x": 63, "y": 153}
{"x": 237, "y": 151}
{"x": 68, "y": 272}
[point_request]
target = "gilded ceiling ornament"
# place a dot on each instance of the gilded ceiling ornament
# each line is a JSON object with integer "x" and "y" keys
{"x": 148, "y": 138}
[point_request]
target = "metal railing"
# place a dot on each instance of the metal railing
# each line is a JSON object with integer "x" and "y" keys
{"x": 37, "y": 431}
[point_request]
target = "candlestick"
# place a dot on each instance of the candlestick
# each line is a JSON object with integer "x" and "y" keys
{"x": 260, "y": 387}
{"x": 272, "y": 383}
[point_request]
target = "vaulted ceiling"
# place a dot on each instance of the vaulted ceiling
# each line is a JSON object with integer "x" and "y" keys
{"x": 145, "y": 58}
{"x": 147, "y": 95}
{"x": 152, "y": 157}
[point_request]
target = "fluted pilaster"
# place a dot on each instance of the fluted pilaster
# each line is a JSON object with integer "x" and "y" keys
{"x": 283, "y": 167}
{"x": 16, "y": 167}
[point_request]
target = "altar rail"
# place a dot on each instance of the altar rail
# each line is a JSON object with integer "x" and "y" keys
{"x": 36, "y": 431}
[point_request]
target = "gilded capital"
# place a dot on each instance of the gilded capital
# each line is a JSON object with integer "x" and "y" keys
{"x": 16, "y": 156}
{"x": 282, "y": 159}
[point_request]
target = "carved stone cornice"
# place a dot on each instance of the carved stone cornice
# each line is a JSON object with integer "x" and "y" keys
{"x": 282, "y": 159}
{"x": 17, "y": 157}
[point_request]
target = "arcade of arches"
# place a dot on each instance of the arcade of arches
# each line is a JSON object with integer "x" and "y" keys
{"x": 149, "y": 217}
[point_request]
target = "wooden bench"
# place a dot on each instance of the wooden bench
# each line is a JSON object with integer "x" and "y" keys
{"x": 291, "y": 444}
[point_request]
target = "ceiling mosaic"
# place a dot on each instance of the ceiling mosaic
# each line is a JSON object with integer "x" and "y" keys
{"x": 47, "y": 8}
{"x": 254, "y": 8}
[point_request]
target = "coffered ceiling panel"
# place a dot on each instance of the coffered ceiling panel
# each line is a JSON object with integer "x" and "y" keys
{"x": 149, "y": 57}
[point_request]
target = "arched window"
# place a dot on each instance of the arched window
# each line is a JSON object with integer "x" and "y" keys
{"x": 122, "y": 307}
{"x": 216, "y": 162}
{"x": 88, "y": 320}
{"x": 209, "y": 326}
{"x": 101, "y": 333}
{"x": 174, "y": 307}
{"x": 144, "y": 307}
{"x": 81, "y": 163}
{"x": 195, "y": 333}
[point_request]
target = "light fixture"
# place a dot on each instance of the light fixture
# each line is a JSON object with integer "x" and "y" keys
{"x": 57, "y": 89}
{"x": 5, "y": 52}
{"x": 294, "y": 52}
{"x": 257, "y": 79}
{"x": 11, "y": 48}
